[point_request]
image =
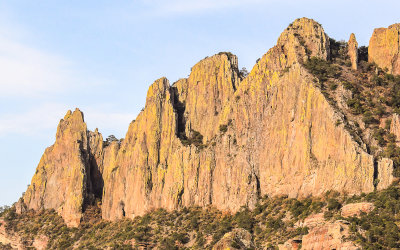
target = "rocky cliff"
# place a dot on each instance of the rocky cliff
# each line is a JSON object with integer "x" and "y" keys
{"x": 384, "y": 48}
{"x": 216, "y": 139}
{"x": 69, "y": 173}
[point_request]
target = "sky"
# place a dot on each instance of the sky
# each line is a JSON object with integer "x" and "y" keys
{"x": 101, "y": 56}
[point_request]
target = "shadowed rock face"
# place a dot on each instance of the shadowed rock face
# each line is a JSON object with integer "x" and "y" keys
{"x": 213, "y": 139}
{"x": 384, "y": 48}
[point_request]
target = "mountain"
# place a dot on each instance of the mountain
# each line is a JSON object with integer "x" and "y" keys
{"x": 218, "y": 138}
{"x": 313, "y": 116}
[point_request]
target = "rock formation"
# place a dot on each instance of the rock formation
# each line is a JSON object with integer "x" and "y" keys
{"x": 395, "y": 127}
{"x": 384, "y": 48}
{"x": 63, "y": 177}
{"x": 213, "y": 139}
{"x": 332, "y": 235}
{"x": 238, "y": 238}
{"x": 325, "y": 234}
{"x": 355, "y": 209}
{"x": 352, "y": 47}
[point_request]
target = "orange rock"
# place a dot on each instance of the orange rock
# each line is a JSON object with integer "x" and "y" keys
{"x": 213, "y": 139}
{"x": 352, "y": 47}
{"x": 329, "y": 236}
{"x": 63, "y": 178}
{"x": 312, "y": 221}
{"x": 355, "y": 209}
{"x": 384, "y": 48}
{"x": 292, "y": 244}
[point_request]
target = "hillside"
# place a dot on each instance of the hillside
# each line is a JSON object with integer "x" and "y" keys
{"x": 332, "y": 221}
{"x": 314, "y": 117}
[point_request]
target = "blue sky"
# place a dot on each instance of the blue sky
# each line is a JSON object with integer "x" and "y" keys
{"x": 101, "y": 56}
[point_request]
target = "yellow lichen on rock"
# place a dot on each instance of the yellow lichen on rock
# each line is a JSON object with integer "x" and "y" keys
{"x": 63, "y": 178}
{"x": 384, "y": 48}
{"x": 215, "y": 138}
{"x": 352, "y": 47}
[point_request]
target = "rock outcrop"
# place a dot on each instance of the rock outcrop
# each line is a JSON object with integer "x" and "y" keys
{"x": 352, "y": 47}
{"x": 332, "y": 235}
{"x": 395, "y": 127}
{"x": 384, "y": 48}
{"x": 239, "y": 238}
{"x": 210, "y": 86}
{"x": 355, "y": 209}
{"x": 385, "y": 173}
{"x": 292, "y": 244}
{"x": 213, "y": 139}
{"x": 325, "y": 234}
{"x": 63, "y": 179}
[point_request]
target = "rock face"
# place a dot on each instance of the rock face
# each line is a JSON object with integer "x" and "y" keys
{"x": 329, "y": 236}
{"x": 355, "y": 209}
{"x": 63, "y": 177}
{"x": 324, "y": 234}
{"x": 352, "y": 47}
{"x": 213, "y": 139}
{"x": 395, "y": 127}
{"x": 385, "y": 173}
{"x": 203, "y": 95}
{"x": 384, "y": 48}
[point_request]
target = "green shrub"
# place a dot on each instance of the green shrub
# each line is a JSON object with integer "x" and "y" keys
{"x": 244, "y": 219}
{"x": 334, "y": 204}
{"x": 322, "y": 69}
{"x": 355, "y": 106}
{"x": 223, "y": 128}
{"x": 368, "y": 118}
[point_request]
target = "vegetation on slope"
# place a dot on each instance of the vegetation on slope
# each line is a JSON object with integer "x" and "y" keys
{"x": 373, "y": 97}
{"x": 194, "y": 228}
{"x": 272, "y": 222}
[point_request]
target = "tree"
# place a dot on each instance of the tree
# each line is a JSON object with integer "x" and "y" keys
{"x": 111, "y": 138}
{"x": 243, "y": 73}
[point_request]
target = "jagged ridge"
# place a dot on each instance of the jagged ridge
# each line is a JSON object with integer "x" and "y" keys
{"x": 214, "y": 139}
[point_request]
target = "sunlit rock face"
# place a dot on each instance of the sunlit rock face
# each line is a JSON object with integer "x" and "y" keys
{"x": 384, "y": 48}
{"x": 214, "y": 138}
{"x": 352, "y": 47}
{"x": 69, "y": 172}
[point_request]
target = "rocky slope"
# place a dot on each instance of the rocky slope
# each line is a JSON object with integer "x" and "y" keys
{"x": 217, "y": 139}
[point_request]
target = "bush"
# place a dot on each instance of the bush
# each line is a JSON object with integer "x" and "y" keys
{"x": 355, "y": 106}
{"x": 243, "y": 73}
{"x": 379, "y": 135}
{"x": 195, "y": 138}
{"x": 334, "y": 204}
{"x": 223, "y": 128}
{"x": 368, "y": 118}
{"x": 322, "y": 69}
{"x": 244, "y": 219}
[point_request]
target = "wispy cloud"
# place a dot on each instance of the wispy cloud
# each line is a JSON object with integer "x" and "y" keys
{"x": 35, "y": 121}
{"x": 26, "y": 71}
{"x": 173, "y": 7}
